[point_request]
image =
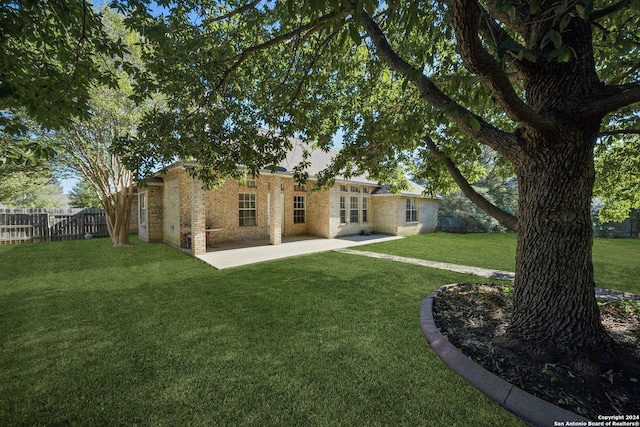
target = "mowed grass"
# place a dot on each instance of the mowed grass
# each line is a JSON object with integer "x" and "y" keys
{"x": 149, "y": 336}
{"x": 616, "y": 262}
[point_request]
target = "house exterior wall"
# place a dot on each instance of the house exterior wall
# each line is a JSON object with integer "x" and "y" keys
{"x": 170, "y": 213}
{"x": 337, "y": 227}
{"x": 386, "y": 210}
{"x": 151, "y": 219}
{"x": 427, "y": 217}
{"x": 222, "y": 211}
{"x": 135, "y": 211}
{"x": 177, "y": 208}
{"x": 318, "y": 213}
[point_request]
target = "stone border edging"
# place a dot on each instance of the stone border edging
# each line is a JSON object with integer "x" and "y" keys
{"x": 527, "y": 407}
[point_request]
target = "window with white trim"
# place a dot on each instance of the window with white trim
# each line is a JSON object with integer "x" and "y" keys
{"x": 343, "y": 187}
{"x": 343, "y": 210}
{"x": 298, "y": 210}
{"x": 365, "y": 210}
{"x": 300, "y": 187}
{"x": 353, "y": 210}
{"x": 142, "y": 204}
{"x": 247, "y": 209}
{"x": 412, "y": 209}
{"x": 355, "y": 189}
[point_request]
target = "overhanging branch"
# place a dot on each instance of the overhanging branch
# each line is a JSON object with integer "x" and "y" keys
{"x": 471, "y": 123}
{"x": 598, "y": 14}
{"x": 313, "y": 26}
{"x": 619, "y": 132}
{"x": 467, "y": 16}
{"x": 619, "y": 97}
{"x": 505, "y": 218}
{"x": 237, "y": 11}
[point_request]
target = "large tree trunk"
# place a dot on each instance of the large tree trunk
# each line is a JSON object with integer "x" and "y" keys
{"x": 555, "y": 307}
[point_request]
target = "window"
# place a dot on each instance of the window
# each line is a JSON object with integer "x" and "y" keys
{"x": 343, "y": 187}
{"x": 353, "y": 210}
{"x": 300, "y": 187}
{"x": 142, "y": 203}
{"x": 251, "y": 183}
{"x": 365, "y": 190}
{"x": 355, "y": 189}
{"x": 343, "y": 210}
{"x": 365, "y": 209}
{"x": 298, "y": 210}
{"x": 412, "y": 211}
{"x": 247, "y": 209}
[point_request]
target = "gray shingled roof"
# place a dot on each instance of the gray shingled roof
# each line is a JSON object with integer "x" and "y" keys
{"x": 320, "y": 159}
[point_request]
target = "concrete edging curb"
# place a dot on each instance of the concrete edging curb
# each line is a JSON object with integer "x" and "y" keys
{"x": 530, "y": 409}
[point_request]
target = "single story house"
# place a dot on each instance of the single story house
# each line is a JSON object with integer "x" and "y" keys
{"x": 174, "y": 208}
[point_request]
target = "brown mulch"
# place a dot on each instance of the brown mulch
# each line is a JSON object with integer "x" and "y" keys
{"x": 474, "y": 317}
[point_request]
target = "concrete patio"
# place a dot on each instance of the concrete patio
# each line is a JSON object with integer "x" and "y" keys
{"x": 227, "y": 255}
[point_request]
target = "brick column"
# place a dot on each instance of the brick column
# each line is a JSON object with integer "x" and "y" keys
{"x": 198, "y": 219}
{"x": 277, "y": 210}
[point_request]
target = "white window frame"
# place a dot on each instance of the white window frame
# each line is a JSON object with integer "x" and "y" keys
{"x": 247, "y": 204}
{"x": 365, "y": 210}
{"x": 299, "y": 210}
{"x": 354, "y": 212}
{"x": 343, "y": 209}
{"x": 142, "y": 208}
{"x": 412, "y": 209}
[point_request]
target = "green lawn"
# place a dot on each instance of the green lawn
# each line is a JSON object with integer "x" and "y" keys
{"x": 149, "y": 336}
{"x": 616, "y": 262}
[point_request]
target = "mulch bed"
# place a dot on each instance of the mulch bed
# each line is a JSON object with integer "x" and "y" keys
{"x": 474, "y": 316}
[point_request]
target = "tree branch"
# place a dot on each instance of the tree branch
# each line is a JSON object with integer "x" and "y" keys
{"x": 620, "y": 96}
{"x": 237, "y": 11}
{"x": 505, "y": 218}
{"x": 598, "y": 14}
{"x": 467, "y": 16}
{"x": 619, "y": 132}
{"x": 483, "y": 131}
{"x": 310, "y": 27}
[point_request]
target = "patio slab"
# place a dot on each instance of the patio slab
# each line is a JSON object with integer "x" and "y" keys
{"x": 230, "y": 255}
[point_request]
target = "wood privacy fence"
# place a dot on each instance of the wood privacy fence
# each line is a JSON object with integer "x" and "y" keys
{"x": 46, "y": 225}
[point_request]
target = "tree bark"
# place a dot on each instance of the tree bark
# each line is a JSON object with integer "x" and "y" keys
{"x": 555, "y": 308}
{"x": 118, "y": 212}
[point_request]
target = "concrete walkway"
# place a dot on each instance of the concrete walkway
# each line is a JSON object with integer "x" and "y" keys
{"x": 603, "y": 294}
{"x": 482, "y": 272}
{"x": 238, "y": 254}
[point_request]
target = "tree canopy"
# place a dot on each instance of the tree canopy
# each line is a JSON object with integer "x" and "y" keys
{"x": 418, "y": 88}
{"x": 50, "y": 54}
{"x": 312, "y": 69}
{"x": 87, "y": 145}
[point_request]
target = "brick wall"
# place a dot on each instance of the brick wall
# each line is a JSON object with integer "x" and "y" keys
{"x": 336, "y": 227}
{"x": 150, "y": 226}
{"x": 427, "y": 217}
{"x": 385, "y": 209}
{"x": 169, "y": 211}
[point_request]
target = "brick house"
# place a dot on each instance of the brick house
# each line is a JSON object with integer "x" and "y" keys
{"x": 174, "y": 208}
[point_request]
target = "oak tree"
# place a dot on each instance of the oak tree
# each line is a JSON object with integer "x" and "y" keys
{"x": 415, "y": 87}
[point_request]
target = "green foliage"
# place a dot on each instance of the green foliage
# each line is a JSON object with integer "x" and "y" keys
{"x": 618, "y": 178}
{"x": 35, "y": 188}
{"x": 51, "y": 54}
{"x": 308, "y": 69}
{"x": 83, "y": 195}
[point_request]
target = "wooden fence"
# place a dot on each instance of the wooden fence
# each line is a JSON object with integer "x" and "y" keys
{"x": 46, "y": 225}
